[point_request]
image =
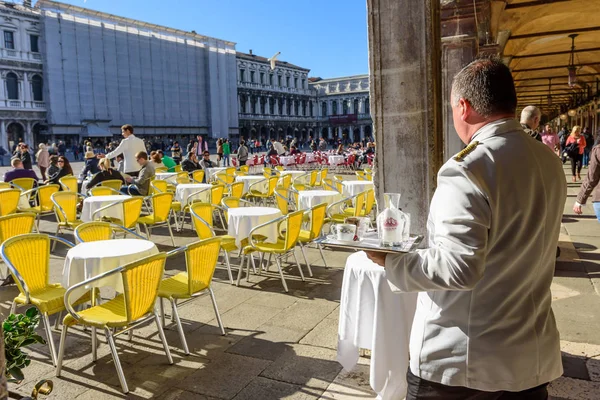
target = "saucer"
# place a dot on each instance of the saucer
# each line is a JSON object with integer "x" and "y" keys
{"x": 331, "y": 237}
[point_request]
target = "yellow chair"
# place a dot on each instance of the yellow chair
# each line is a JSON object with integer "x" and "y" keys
{"x": 103, "y": 191}
{"x": 5, "y": 185}
{"x": 132, "y": 208}
{"x": 134, "y": 307}
{"x": 286, "y": 181}
{"x": 198, "y": 175}
{"x": 65, "y": 208}
{"x": 224, "y": 178}
{"x": 314, "y": 175}
{"x": 279, "y": 168}
{"x": 114, "y": 184}
{"x": 368, "y": 207}
{"x": 177, "y": 168}
{"x": 161, "y": 213}
{"x": 202, "y": 218}
{"x": 282, "y": 198}
{"x": 9, "y": 201}
{"x": 263, "y": 196}
{"x": 182, "y": 177}
{"x": 158, "y": 186}
{"x": 323, "y": 176}
{"x": 44, "y": 203}
{"x": 236, "y": 189}
{"x": 292, "y": 224}
{"x": 230, "y": 170}
{"x": 16, "y": 224}
{"x": 245, "y": 169}
{"x": 200, "y": 262}
{"x": 328, "y": 184}
{"x": 308, "y": 236}
{"x": 28, "y": 259}
{"x": 23, "y": 183}
{"x": 360, "y": 175}
{"x": 68, "y": 183}
{"x": 267, "y": 172}
{"x": 340, "y": 217}
{"x": 100, "y": 230}
{"x": 160, "y": 170}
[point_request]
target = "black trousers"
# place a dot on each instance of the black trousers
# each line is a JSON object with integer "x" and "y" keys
{"x": 420, "y": 389}
{"x": 576, "y": 163}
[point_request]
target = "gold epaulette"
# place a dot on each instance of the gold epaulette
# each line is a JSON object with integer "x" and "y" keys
{"x": 463, "y": 153}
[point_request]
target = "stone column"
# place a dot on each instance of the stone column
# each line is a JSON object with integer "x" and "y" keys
{"x": 3, "y": 136}
{"x": 329, "y": 132}
{"x": 29, "y": 135}
{"x": 406, "y": 102}
{"x": 362, "y": 133}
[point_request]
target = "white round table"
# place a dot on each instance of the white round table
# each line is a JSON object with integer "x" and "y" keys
{"x": 242, "y": 220}
{"x": 310, "y": 198}
{"x": 89, "y": 259}
{"x": 336, "y": 160}
{"x": 287, "y": 160}
{"x": 183, "y": 190}
{"x": 93, "y": 203}
{"x": 170, "y": 177}
{"x": 212, "y": 171}
{"x": 84, "y": 185}
{"x": 310, "y": 157}
{"x": 250, "y": 179}
{"x": 352, "y": 188}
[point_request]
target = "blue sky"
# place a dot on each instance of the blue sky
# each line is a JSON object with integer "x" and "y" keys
{"x": 328, "y": 37}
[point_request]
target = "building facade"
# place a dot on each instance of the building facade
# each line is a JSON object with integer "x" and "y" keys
{"x": 343, "y": 108}
{"x": 274, "y": 102}
{"x": 22, "y": 94}
{"x": 102, "y": 71}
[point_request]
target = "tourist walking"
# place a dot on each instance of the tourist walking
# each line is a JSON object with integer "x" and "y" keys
{"x": 574, "y": 148}
{"x": 129, "y": 147}
{"x": 530, "y": 120}
{"x": 176, "y": 152}
{"x": 43, "y": 160}
{"x": 589, "y": 143}
{"x": 226, "y": 152}
{"x": 550, "y": 139}
{"x": 219, "y": 151}
{"x": 242, "y": 153}
{"x": 484, "y": 327}
{"x": 25, "y": 156}
{"x": 589, "y": 186}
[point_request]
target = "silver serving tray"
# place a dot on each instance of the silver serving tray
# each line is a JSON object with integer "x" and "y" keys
{"x": 371, "y": 243}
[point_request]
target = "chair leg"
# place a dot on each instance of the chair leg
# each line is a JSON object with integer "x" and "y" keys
{"x": 57, "y": 321}
{"x": 239, "y": 277}
{"x": 171, "y": 233}
{"x": 94, "y": 344}
{"x": 214, "y": 302}
{"x": 115, "y": 355}
{"x": 48, "y": 329}
{"x": 162, "y": 311}
{"x": 269, "y": 262}
{"x": 184, "y": 344}
{"x": 281, "y": 274}
{"x": 306, "y": 260}
{"x": 13, "y": 307}
{"x": 61, "y": 350}
{"x": 250, "y": 257}
{"x": 163, "y": 339}
{"x": 322, "y": 255}
{"x": 298, "y": 264}
{"x": 228, "y": 267}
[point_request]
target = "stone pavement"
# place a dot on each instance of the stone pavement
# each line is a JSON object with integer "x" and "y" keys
{"x": 283, "y": 345}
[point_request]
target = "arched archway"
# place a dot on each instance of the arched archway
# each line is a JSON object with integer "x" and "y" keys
{"x": 325, "y": 133}
{"x": 289, "y": 131}
{"x": 356, "y": 135}
{"x": 368, "y": 133}
{"x": 263, "y": 132}
{"x": 271, "y": 133}
{"x": 14, "y": 134}
{"x": 345, "y": 136}
{"x": 303, "y": 135}
{"x": 40, "y": 134}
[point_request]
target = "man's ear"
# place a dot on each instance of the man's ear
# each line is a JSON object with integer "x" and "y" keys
{"x": 464, "y": 108}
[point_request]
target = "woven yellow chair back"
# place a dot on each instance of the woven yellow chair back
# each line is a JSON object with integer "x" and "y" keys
{"x": 158, "y": 186}
{"x": 237, "y": 189}
{"x": 317, "y": 219}
{"x": 231, "y": 202}
{"x": 359, "y": 203}
{"x": 324, "y": 173}
{"x": 101, "y": 191}
{"x": 9, "y": 200}
{"x": 314, "y": 175}
{"x": 132, "y": 208}
{"x": 5, "y": 185}
{"x": 160, "y": 170}
{"x": 225, "y": 177}
{"x": 282, "y": 199}
{"x": 286, "y": 181}
{"x": 68, "y": 202}
{"x": 69, "y": 183}
{"x": 45, "y": 196}
{"x": 182, "y": 177}
{"x": 272, "y": 185}
{"x": 16, "y": 224}
{"x": 245, "y": 169}
{"x": 230, "y": 171}
{"x": 338, "y": 185}
{"x": 369, "y": 201}
{"x": 112, "y": 183}
{"x": 279, "y": 168}
{"x": 30, "y": 255}
{"x": 177, "y": 168}
{"x": 24, "y": 183}
{"x": 140, "y": 284}
{"x": 201, "y": 260}
{"x": 267, "y": 172}
{"x": 93, "y": 231}
{"x": 216, "y": 194}
{"x": 203, "y": 212}
{"x": 360, "y": 175}
{"x": 292, "y": 230}
{"x": 198, "y": 175}
{"x": 161, "y": 206}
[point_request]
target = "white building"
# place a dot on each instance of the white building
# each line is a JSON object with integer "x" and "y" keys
{"x": 343, "y": 107}
{"x": 22, "y": 95}
{"x": 274, "y": 103}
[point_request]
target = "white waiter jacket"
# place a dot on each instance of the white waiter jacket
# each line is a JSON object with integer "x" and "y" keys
{"x": 129, "y": 147}
{"x": 484, "y": 317}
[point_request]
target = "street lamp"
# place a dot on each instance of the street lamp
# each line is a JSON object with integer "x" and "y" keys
{"x": 572, "y": 112}
{"x": 572, "y": 69}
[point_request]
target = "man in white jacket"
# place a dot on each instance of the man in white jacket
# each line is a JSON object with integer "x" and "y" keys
{"x": 129, "y": 147}
{"x": 484, "y": 327}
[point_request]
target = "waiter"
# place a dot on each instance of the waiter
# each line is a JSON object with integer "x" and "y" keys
{"x": 129, "y": 147}
{"x": 484, "y": 326}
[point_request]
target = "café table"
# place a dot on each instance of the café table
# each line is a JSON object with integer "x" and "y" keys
{"x": 352, "y": 188}
{"x": 310, "y": 157}
{"x": 184, "y": 190}
{"x": 210, "y": 172}
{"x": 336, "y": 160}
{"x": 170, "y": 177}
{"x": 250, "y": 179}
{"x": 89, "y": 259}
{"x": 287, "y": 160}
{"x": 375, "y": 318}
{"x": 93, "y": 203}
{"x": 310, "y": 198}
{"x": 240, "y": 221}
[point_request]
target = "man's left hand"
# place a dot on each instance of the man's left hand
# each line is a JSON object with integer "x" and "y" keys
{"x": 377, "y": 257}
{"x": 129, "y": 179}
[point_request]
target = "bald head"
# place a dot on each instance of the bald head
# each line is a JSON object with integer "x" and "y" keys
{"x": 531, "y": 116}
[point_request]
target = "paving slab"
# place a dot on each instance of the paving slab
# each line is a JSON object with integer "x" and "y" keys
{"x": 351, "y": 385}
{"x": 262, "y": 388}
{"x": 268, "y": 342}
{"x": 325, "y": 334}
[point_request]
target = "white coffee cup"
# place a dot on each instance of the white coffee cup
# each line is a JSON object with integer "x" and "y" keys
{"x": 344, "y": 232}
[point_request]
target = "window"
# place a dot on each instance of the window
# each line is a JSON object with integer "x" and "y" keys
{"x": 355, "y": 106}
{"x": 34, "y": 45}
{"x": 262, "y": 105}
{"x": 345, "y": 107}
{"x": 252, "y": 76}
{"x": 271, "y": 79}
{"x": 280, "y": 103}
{"x": 289, "y": 107}
{"x": 262, "y": 78}
{"x": 279, "y": 80}
{"x": 37, "y": 87}
{"x": 296, "y": 106}
{"x": 295, "y": 82}
{"x": 287, "y": 81}
{"x": 367, "y": 106}
{"x": 310, "y": 108}
{"x": 253, "y": 105}
{"x": 9, "y": 40}
{"x": 271, "y": 105}
{"x": 242, "y": 73}
{"x": 303, "y": 82}
{"x": 323, "y": 109}
{"x": 334, "y": 108}
{"x": 12, "y": 86}
{"x": 243, "y": 102}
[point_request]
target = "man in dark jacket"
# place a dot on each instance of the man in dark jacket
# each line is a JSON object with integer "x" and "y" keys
{"x": 530, "y": 120}
{"x": 25, "y": 157}
{"x": 190, "y": 164}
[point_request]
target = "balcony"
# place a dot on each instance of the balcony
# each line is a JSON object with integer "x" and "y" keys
{"x": 274, "y": 117}
{"x": 23, "y": 105}
{"x": 21, "y": 55}
{"x": 275, "y": 88}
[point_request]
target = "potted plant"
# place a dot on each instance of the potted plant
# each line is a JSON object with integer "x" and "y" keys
{"x": 19, "y": 332}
